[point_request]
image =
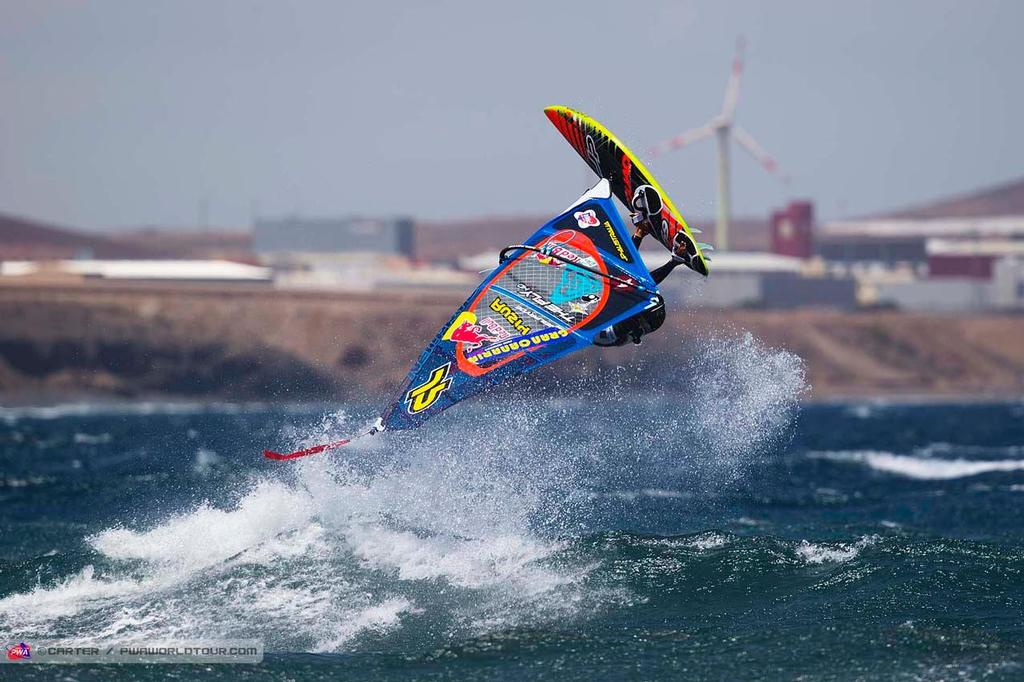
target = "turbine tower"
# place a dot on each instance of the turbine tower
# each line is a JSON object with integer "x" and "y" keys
{"x": 725, "y": 130}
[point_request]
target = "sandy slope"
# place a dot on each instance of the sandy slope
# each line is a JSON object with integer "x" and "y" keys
{"x": 252, "y": 343}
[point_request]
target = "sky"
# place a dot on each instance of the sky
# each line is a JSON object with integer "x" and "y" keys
{"x": 122, "y": 113}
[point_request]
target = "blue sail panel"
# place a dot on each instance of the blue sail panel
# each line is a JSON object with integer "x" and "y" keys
{"x": 580, "y": 274}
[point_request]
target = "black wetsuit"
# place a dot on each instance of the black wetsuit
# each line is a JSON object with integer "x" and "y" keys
{"x": 647, "y": 320}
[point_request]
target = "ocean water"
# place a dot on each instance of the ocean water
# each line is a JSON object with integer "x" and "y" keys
{"x": 601, "y": 530}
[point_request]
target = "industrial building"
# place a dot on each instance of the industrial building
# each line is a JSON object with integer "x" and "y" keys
{"x": 901, "y": 238}
{"x": 760, "y": 281}
{"x": 956, "y": 255}
{"x": 388, "y": 236}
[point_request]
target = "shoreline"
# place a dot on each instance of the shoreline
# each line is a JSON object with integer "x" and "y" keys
{"x": 141, "y": 404}
{"x": 98, "y": 343}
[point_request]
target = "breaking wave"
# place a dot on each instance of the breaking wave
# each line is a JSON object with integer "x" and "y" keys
{"x": 922, "y": 468}
{"x": 313, "y": 563}
{"x": 469, "y": 525}
{"x": 834, "y": 552}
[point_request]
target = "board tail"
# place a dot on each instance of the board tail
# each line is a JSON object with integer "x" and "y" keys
{"x": 317, "y": 449}
{"x": 270, "y": 454}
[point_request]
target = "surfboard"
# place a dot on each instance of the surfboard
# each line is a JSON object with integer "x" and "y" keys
{"x": 611, "y": 159}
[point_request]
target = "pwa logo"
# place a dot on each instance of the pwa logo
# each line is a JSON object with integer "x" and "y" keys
{"x": 426, "y": 394}
{"x": 586, "y": 218}
{"x": 19, "y": 652}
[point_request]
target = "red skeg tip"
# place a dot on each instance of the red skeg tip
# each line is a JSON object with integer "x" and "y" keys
{"x": 270, "y": 454}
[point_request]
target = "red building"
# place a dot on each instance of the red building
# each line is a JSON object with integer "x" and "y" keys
{"x": 969, "y": 258}
{"x": 792, "y": 230}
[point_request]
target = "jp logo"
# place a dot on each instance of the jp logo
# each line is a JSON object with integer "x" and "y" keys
{"x": 426, "y": 394}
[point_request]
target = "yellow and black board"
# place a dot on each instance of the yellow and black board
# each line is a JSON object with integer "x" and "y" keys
{"x": 611, "y": 159}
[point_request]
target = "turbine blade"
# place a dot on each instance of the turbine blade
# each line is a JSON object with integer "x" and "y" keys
{"x": 745, "y": 140}
{"x": 683, "y": 139}
{"x": 732, "y": 89}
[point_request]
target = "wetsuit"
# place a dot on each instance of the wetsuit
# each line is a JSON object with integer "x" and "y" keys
{"x": 649, "y": 319}
{"x": 644, "y": 322}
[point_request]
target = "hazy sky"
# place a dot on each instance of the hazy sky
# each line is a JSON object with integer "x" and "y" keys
{"x": 129, "y": 112}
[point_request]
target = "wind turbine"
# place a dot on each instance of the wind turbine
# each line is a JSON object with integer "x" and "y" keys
{"x": 724, "y": 129}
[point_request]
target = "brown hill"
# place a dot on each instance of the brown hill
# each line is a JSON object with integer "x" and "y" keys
{"x": 27, "y": 239}
{"x": 251, "y": 343}
{"x": 1001, "y": 200}
{"x": 189, "y": 242}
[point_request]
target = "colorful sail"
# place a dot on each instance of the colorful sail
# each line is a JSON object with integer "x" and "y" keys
{"x": 552, "y": 295}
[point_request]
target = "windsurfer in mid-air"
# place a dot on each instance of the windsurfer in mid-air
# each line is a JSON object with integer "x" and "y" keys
{"x": 526, "y": 313}
{"x": 647, "y": 207}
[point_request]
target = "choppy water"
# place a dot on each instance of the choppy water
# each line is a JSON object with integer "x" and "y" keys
{"x": 729, "y": 534}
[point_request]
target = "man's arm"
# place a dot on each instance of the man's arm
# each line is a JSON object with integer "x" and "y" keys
{"x": 638, "y": 235}
{"x": 661, "y": 273}
{"x": 641, "y": 231}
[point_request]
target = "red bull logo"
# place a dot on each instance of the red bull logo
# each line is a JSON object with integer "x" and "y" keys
{"x": 471, "y": 334}
{"x": 466, "y": 330}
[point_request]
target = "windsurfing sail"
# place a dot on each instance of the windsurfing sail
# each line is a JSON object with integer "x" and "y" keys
{"x": 549, "y": 296}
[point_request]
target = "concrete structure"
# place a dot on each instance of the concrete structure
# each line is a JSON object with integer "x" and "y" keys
{"x": 902, "y": 241}
{"x": 1007, "y": 287}
{"x": 334, "y": 235}
{"x": 991, "y": 214}
{"x": 366, "y": 273}
{"x": 759, "y": 280}
{"x": 955, "y": 255}
{"x": 967, "y": 283}
{"x": 951, "y": 294}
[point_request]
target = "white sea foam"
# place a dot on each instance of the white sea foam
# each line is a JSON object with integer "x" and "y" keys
{"x": 379, "y": 618}
{"x": 318, "y": 562}
{"x": 832, "y": 552}
{"x": 748, "y": 395}
{"x": 451, "y": 525}
{"x": 707, "y": 541}
{"x": 72, "y": 594}
{"x": 653, "y": 493}
{"x": 923, "y": 468}
{"x": 91, "y": 439}
{"x": 207, "y": 536}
